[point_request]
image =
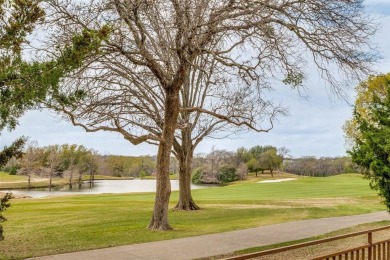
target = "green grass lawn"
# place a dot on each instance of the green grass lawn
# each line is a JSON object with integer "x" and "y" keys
{"x": 6, "y": 177}
{"x": 62, "y": 224}
{"x": 349, "y": 185}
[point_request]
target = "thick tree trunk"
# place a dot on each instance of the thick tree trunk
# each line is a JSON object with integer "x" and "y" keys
{"x": 272, "y": 173}
{"x": 185, "y": 198}
{"x": 159, "y": 219}
{"x": 185, "y": 155}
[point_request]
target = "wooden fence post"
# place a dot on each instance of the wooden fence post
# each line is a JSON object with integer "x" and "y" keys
{"x": 370, "y": 247}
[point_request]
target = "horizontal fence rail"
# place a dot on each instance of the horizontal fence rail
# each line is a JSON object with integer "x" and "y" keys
{"x": 369, "y": 251}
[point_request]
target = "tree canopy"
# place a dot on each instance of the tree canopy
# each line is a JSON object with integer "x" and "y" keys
{"x": 17, "y": 21}
{"x": 25, "y": 84}
{"x": 372, "y": 145}
{"x": 374, "y": 86}
{"x": 14, "y": 150}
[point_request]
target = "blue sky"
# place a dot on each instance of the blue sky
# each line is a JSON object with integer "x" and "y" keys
{"x": 314, "y": 126}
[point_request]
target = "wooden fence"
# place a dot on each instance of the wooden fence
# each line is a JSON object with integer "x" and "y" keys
{"x": 369, "y": 251}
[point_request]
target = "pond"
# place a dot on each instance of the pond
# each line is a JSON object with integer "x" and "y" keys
{"x": 103, "y": 186}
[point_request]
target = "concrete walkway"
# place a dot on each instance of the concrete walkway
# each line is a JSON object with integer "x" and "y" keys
{"x": 222, "y": 243}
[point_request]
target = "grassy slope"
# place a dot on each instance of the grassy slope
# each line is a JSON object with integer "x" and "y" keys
{"x": 36, "y": 226}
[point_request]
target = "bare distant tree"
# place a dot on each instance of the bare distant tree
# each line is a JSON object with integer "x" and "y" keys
{"x": 52, "y": 160}
{"x": 283, "y": 152}
{"x": 324, "y": 166}
{"x": 242, "y": 171}
{"x": 154, "y": 46}
{"x": 69, "y": 158}
{"x": 31, "y": 161}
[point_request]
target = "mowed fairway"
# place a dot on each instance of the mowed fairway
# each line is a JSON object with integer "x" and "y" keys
{"x": 349, "y": 185}
{"x": 62, "y": 224}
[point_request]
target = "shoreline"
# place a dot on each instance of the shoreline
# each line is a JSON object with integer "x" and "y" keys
{"x": 38, "y": 183}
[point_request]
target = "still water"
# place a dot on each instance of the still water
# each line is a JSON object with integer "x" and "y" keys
{"x": 103, "y": 186}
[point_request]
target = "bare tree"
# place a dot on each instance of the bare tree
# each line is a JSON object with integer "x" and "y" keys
{"x": 283, "y": 152}
{"x": 154, "y": 46}
{"x": 214, "y": 105}
{"x": 321, "y": 167}
{"x": 242, "y": 171}
{"x": 52, "y": 158}
{"x": 31, "y": 161}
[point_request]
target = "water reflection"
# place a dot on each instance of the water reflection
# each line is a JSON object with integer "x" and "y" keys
{"x": 102, "y": 186}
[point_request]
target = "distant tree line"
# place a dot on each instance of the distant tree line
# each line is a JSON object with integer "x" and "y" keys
{"x": 221, "y": 166}
{"x": 126, "y": 166}
{"x": 72, "y": 161}
{"x": 320, "y": 167}
{"x": 67, "y": 160}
